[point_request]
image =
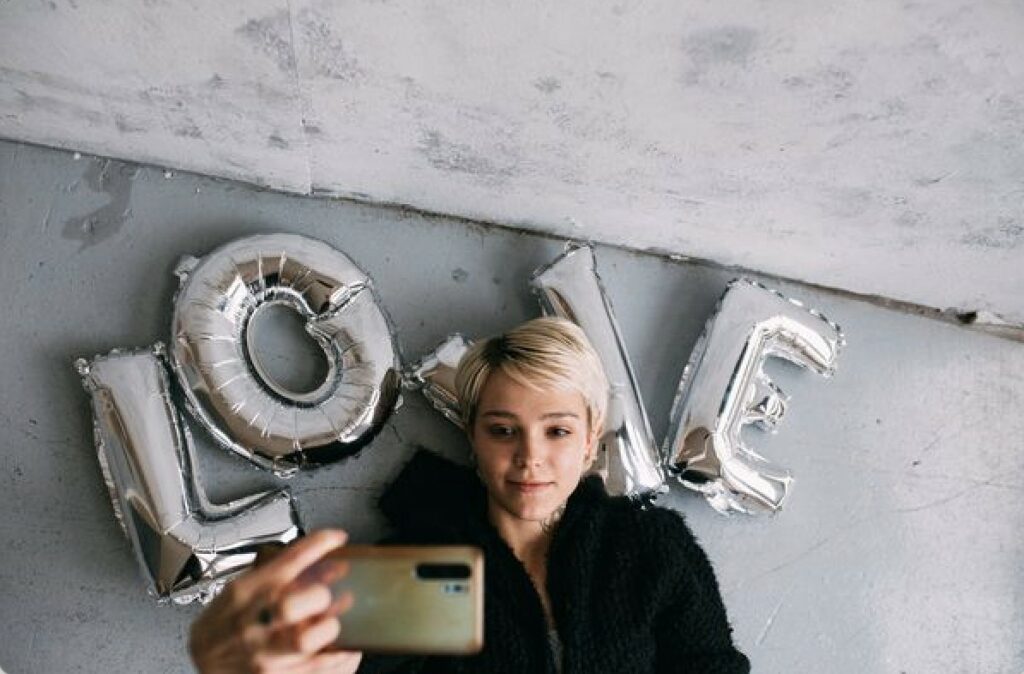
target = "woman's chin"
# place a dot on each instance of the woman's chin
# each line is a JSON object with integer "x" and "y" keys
{"x": 532, "y": 504}
{"x": 532, "y": 509}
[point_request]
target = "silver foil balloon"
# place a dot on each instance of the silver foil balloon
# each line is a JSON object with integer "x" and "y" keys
{"x": 434, "y": 375}
{"x": 186, "y": 546}
{"x": 724, "y": 388}
{"x": 627, "y": 457}
{"x": 226, "y": 387}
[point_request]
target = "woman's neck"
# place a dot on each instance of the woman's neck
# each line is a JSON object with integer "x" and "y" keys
{"x": 528, "y": 540}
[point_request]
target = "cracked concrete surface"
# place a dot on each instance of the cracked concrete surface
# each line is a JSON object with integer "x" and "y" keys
{"x": 872, "y": 148}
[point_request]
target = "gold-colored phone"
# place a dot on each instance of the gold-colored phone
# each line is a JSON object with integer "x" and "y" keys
{"x": 412, "y": 599}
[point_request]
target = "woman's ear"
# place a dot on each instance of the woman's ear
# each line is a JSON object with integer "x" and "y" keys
{"x": 596, "y": 431}
{"x": 593, "y": 439}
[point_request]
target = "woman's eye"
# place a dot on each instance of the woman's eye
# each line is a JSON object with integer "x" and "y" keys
{"x": 559, "y": 432}
{"x": 500, "y": 431}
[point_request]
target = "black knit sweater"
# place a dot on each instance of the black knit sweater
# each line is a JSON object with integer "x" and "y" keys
{"x": 630, "y": 589}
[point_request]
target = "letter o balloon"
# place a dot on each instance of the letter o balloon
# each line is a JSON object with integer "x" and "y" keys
{"x": 227, "y": 388}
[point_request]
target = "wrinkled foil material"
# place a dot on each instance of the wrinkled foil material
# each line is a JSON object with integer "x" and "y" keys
{"x": 724, "y": 388}
{"x": 434, "y": 376}
{"x": 627, "y": 458}
{"x": 186, "y": 547}
{"x": 227, "y": 390}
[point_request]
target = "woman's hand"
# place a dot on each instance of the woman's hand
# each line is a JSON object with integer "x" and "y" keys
{"x": 277, "y": 617}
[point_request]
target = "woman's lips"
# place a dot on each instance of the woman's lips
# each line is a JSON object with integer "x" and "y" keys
{"x": 529, "y": 487}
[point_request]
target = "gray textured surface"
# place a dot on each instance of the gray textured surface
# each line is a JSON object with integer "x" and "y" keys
{"x": 869, "y": 146}
{"x": 899, "y": 551}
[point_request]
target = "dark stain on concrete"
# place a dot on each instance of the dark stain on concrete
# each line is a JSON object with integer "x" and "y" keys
{"x": 312, "y": 129}
{"x": 459, "y": 275}
{"x": 124, "y": 125}
{"x": 27, "y": 101}
{"x": 33, "y": 78}
{"x": 271, "y": 36}
{"x": 835, "y": 83}
{"x": 547, "y": 85}
{"x": 1006, "y": 108}
{"x": 276, "y": 141}
{"x": 359, "y": 196}
{"x": 116, "y": 179}
{"x": 910, "y": 219}
{"x": 1006, "y": 235}
{"x": 1010, "y": 227}
{"x": 936, "y": 85}
{"x": 327, "y": 54}
{"x": 892, "y": 108}
{"x": 848, "y": 202}
{"x": 967, "y": 317}
{"x": 838, "y": 81}
{"x": 932, "y": 180}
{"x": 724, "y": 46}
{"x": 188, "y": 130}
{"x": 453, "y": 157}
{"x": 796, "y": 82}
{"x": 215, "y": 82}
{"x": 923, "y": 43}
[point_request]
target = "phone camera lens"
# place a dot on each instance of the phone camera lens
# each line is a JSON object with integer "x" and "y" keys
{"x": 439, "y": 571}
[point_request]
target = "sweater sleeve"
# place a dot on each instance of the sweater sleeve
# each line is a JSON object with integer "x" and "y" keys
{"x": 391, "y": 664}
{"x": 692, "y": 632}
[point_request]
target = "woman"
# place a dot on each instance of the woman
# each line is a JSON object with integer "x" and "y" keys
{"x": 576, "y": 581}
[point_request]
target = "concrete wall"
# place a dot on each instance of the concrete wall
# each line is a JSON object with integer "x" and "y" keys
{"x": 869, "y": 146}
{"x": 899, "y": 550}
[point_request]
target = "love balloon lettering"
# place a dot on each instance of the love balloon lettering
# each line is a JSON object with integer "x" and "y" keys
{"x": 188, "y": 547}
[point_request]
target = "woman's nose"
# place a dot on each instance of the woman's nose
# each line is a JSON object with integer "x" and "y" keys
{"x": 530, "y": 451}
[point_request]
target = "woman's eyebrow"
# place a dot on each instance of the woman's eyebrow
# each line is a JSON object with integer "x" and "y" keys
{"x": 510, "y": 415}
{"x": 549, "y": 415}
{"x": 498, "y": 413}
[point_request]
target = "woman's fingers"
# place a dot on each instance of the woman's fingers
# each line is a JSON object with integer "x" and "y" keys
{"x": 341, "y": 604}
{"x": 312, "y": 595}
{"x": 304, "y": 639}
{"x": 265, "y": 553}
{"x": 277, "y": 616}
{"x": 324, "y": 572}
{"x": 302, "y": 603}
{"x": 331, "y": 662}
{"x": 266, "y": 580}
{"x": 320, "y": 634}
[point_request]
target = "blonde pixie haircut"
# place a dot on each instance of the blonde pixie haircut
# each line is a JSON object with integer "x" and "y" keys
{"x": 545, "y": 353}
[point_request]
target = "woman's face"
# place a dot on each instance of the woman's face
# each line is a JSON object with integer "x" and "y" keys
{"x": 531, "y": 446}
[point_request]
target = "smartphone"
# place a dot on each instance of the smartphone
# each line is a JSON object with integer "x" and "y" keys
{"x": 421, "y": 600}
